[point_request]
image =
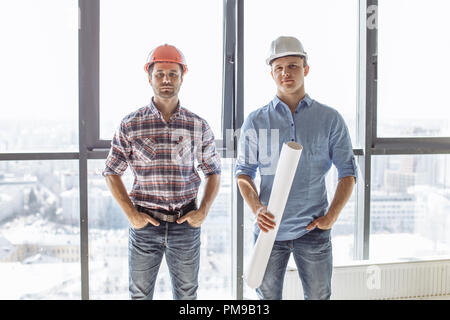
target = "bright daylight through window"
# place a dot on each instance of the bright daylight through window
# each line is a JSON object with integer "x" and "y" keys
{"x": 413, "y": 69}
{"x": 126, "y": 39}
{"x": 326, "y": 72}
{"x": 39, "y": 76}
{"x": 50, "y": 179}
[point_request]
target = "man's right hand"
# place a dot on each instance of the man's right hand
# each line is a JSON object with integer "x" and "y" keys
{"x": 139, "y": 220}
{"x": 265, "y": 219}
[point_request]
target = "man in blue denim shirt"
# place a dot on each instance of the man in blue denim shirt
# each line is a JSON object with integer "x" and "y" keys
{"x": 307, "y": 219}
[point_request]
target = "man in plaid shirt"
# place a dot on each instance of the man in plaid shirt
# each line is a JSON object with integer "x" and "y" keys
{"x": 161, "y": 143}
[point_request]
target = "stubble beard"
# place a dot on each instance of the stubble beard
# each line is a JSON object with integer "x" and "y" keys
{"x": 166, "y": 93}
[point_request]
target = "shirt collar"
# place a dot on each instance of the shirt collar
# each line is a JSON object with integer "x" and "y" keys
{"x": 154, "y": 110}
{"x": 306, "y": 102}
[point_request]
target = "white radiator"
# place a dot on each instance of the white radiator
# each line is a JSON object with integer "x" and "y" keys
{"x": 402, "y": 280}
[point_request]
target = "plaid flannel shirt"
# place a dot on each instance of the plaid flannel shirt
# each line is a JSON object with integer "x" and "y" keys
{"x": 164, "y": 157}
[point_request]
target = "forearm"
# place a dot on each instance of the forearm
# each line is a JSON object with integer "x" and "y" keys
{"x": 343, "y": 193}
{"x": 249, "y": 192}
{"x": 120, "y": 194}
{"x": 211, "y": 189}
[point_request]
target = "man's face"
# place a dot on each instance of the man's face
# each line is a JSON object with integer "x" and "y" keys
{"x": 166, "y": 79}
{"x": 289, "y": 74}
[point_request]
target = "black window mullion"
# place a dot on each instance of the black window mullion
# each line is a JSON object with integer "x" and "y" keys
{"x": 371, "y": 111}
{"x": 88, "y": 40}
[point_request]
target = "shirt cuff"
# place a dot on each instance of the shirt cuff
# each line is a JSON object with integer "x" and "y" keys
{"x": 218, "y": 171}
{"x": 239, "y": 170}
{"x": 110, "y": 172}
{"x": 351, "y": 171}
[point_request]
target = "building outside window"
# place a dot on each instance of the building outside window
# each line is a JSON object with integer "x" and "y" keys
{"x": 41, "y": 210}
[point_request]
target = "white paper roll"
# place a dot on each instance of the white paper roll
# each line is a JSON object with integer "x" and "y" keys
{"x": 284, "y": 175}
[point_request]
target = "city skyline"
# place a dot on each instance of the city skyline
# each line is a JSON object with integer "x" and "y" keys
{"x": 40, "y": 245}
{"x": 39, "y": 223}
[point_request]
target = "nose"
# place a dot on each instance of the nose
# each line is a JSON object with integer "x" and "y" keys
{"x": 166, "y": 78}
{"x": 284, "y": 72}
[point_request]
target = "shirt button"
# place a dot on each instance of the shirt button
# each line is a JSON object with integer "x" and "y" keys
{"x": 292, "y": 140}
{"x": 292, "y": 124}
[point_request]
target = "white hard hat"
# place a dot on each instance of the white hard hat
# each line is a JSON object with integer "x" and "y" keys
{"x": 285, "y": 46}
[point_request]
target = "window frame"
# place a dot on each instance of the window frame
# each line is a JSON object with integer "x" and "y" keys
{"x": 92, "y": 147}
{"x": 375, "y": 145}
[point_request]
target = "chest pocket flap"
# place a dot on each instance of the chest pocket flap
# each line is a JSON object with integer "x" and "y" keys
{"x": 145, "y": 149}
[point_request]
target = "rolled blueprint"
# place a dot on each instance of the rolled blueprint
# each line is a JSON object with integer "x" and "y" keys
{"x": 284, "y": 175}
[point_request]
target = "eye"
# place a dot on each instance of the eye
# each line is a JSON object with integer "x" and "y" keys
{"x": 173, "y": 75}
{"x": 293, "y": 66}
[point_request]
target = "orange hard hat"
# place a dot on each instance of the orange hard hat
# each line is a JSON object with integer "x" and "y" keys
{"x": 166, "y": 53}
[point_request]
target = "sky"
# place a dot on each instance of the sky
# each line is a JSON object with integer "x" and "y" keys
{"x": 39, "y": 56}
{"x": 39, "y": 77}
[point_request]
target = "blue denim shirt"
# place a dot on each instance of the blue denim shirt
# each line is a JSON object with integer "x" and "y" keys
{"x": 324, "y": 136}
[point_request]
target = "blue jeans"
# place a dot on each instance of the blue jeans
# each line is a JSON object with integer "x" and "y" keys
{"x": 146, "y": 248}
{"x": 313, "y": 257}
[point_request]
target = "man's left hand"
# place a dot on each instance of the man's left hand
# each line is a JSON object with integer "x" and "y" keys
{"x": 323, "y": 223}
{"x": 194, "y": 218}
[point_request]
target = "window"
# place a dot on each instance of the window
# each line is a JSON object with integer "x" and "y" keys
{"x": 128, "y": 36}
{"x": 108, "y": 240}
{"x": 55, "y": 207}
{"x": 344, "y": 229}
{"x": 328, "y": 30}
{"x": 342, "y": 233}
{"x": 108, "y": 237}
{"x": 333, "y": 59}
{"x": 39, "y": 223}
{"x": 413, "y": 69}
{"x": 39, "y": 77}
{"x": 410, "y": 201}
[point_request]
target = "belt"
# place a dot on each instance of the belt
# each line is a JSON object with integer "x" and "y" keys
{"x": 169, "y": 216}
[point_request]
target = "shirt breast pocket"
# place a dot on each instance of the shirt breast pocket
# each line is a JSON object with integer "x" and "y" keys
{"x": 319, "y": 150}
{"x": 145, "y": 149}
{"x": 183, "y": 152}
{"x": 319, "y": 156}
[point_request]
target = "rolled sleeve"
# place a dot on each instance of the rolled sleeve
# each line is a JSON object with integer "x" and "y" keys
{"x": 116, "y": 162}
{"x": 341, "y": 150}
{"x": 208, "y": 158}
{"x": 247, "y": 153}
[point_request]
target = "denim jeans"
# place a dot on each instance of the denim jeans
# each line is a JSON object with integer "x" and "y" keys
{"x": 313, "y": 257}
{"x": 146, "y": 247}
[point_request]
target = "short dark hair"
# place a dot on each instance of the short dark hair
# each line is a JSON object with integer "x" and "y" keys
{"x": 305, "y": 62}
{"x": 150, "y": 69}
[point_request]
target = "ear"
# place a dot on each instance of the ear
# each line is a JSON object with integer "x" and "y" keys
{"x": 150, "y": 79}
{"x": 306, "y": 71}
{"x": 271, "y": 73}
